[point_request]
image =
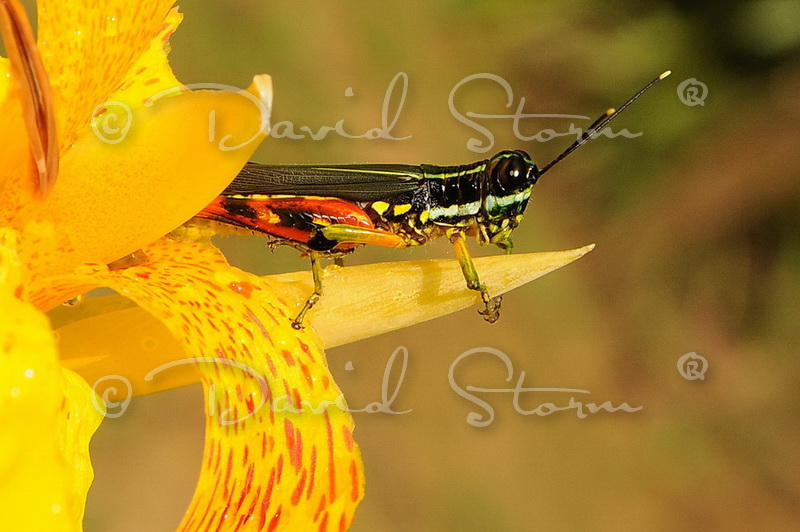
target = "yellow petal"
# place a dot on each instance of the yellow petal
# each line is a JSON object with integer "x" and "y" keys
{"x": 112, "y": 199}
{"x": 88, "y": 48}
{"x": 107, "y": 335}
{"x": 47, "y": 417}
{"x": 112, "y": 54}
{"x": 279, "y": 448}
{"x": 150, "y": 74}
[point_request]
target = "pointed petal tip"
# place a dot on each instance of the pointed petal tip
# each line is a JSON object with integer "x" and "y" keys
{"x": 401, "y": 294}
{"x": 261, "y": 88}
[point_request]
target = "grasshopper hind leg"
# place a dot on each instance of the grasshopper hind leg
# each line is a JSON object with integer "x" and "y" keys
{"x": 325, "y": 239}
{"x": 316, "y": 272}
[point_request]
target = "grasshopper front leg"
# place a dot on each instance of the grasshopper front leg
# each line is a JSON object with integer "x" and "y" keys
{"x": 491, "y": 310}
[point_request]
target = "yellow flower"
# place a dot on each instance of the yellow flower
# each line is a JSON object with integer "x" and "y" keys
{"x": 84, "y": 183}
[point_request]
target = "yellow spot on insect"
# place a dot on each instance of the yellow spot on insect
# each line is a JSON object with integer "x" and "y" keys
{"x": 399, "y": 210}
{"x": 380, "y": 207}
{"x": 424, "y": 216}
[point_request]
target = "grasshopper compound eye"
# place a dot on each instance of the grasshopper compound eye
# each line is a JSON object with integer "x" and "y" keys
{"x": 511, "y": 172}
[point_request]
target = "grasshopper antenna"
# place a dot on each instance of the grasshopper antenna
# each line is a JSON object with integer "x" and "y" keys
{"x": 600, "y": 123}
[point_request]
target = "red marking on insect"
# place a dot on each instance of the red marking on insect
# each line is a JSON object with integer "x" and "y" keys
{"x": 293, "y": 218}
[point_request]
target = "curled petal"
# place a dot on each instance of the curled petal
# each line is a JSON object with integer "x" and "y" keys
{"x": 114, "y": 198}
{"x": 359, "y": 302}
{"x": 31, "y": 103}
{"x": 279, "y": 448}
{"x": 47, "y": 415}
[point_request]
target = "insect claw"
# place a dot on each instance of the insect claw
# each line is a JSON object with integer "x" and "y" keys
{"x": 491, "y": 311}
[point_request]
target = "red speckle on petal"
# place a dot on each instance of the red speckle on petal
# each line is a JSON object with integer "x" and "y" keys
{"x": 262, "y": 520}
{"x": 307, "y": 375}
{"x": 306, "y": 350}
{"x": 331, "y": 457}
{"x": 313, "y": 469}
{"x": 348, "y": 438}
{"x": 354, "y": 480}
{"x": 298, "y": 490}
{"x": 280, "y": 467}
{"x": 296, "y": 451}
{"x": 298, "y": 402}
{"x": 228, "y": 471}
{"x": 273, "y": 524}
{"x": 272, "y": 369}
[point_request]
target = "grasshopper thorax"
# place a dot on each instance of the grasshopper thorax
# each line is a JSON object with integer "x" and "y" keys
{"x": 509, "y": 179}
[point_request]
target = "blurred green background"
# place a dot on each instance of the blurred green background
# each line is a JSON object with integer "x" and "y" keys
{"x": 698, "y": 250}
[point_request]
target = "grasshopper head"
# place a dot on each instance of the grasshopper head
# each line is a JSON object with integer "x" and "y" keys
{"x": 510, "y": 176}
{"x": 510, "y": 179}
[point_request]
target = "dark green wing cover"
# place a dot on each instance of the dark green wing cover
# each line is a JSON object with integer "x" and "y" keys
{"x": 367, "y": 182}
